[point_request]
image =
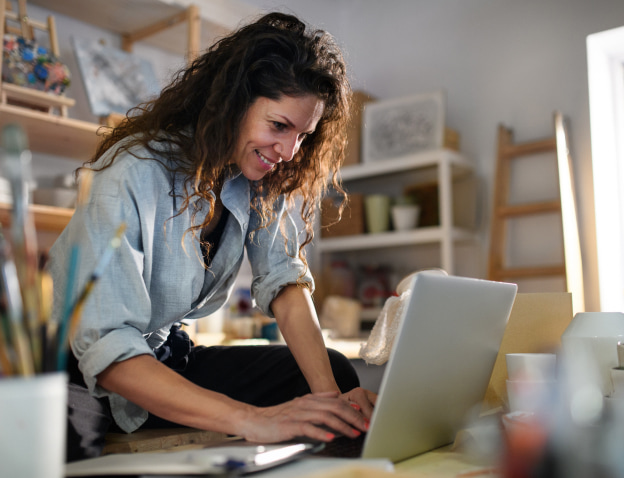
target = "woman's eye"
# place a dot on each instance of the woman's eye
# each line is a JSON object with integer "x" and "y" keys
{"x": 279, "y": 126}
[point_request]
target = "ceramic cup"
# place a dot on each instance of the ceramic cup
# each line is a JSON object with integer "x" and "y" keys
{"x": 531, "y": 366}
{"x": 530, "y": 395}
{"x": 405, "y": 216}
{"x": 377, "y": 209}
{"x": 33, "y": 422}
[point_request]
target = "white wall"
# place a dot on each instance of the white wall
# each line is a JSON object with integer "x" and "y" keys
{"x": 499, "y": 61}
{"x": 508, "y": 61}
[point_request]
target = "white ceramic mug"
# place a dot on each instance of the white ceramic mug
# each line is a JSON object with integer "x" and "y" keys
{"x": 531, "y": 366}
{"x": 405, "y": 216}
{"x": 33, "y": 424}
{"x": 530, "y": 395}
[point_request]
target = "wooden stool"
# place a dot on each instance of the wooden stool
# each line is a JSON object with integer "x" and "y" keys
{"x": 159, "y": 439}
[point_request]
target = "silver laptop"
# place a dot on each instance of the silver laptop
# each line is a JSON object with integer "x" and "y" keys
{"x": 440, "y": 364}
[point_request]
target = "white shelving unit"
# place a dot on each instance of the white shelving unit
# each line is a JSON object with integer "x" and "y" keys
{"x": 441, "y": 165}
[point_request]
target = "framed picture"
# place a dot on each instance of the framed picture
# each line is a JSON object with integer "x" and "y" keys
{"x": 403, "y": 126}
{"x": 114, "y": 80}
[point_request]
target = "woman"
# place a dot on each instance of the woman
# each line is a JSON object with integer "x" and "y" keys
{"x": 208, "y": 169}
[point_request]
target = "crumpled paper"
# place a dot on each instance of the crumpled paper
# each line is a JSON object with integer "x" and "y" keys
{"x": 376, "y": 350}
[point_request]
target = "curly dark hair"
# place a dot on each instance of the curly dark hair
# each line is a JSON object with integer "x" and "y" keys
{"x": 202, "y": 108}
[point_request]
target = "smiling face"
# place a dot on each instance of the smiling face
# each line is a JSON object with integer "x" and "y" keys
{"x": 272, "y": 131}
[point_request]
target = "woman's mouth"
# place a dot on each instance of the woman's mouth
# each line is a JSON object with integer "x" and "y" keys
{"x": 264, "y": 161}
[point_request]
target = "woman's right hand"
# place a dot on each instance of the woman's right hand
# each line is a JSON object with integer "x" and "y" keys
{"x": 307, "y": 416}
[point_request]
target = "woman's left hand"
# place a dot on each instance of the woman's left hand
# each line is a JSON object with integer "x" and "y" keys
{"x": 361, "y": 399}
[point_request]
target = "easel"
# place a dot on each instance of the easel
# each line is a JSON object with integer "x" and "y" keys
{"x": 19, "y": 95}
{"x": 191, "y": 16}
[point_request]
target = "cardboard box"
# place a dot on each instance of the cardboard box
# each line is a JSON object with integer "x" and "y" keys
{"x": 354, "y": 129}
{"x": 352, "y": 221}
{"x": 451, "y": 139}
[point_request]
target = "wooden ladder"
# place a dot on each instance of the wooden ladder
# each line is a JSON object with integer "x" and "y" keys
{"x": 503, "y": 211}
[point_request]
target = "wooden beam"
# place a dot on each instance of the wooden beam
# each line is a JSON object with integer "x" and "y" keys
{"x": 527, "y": 209}
{"x": 128, "y": 39}
{"x": 54, "y": 47}
{"x": 194, "y": 33}
{"x": 534, "y": 147}
{"x": 529, "y": 272}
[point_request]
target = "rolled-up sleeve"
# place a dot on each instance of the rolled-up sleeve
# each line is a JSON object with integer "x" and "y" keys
{"x": 118, "y": 310}
{"x": 153, "y": 279}
{"x": 274, "y": 258}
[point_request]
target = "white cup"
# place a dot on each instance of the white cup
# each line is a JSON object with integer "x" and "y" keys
{"x": 531, "y": 396}
{"x": 405, "y": 216}
{"x": 33, "y": 424}
{"x": 531, "y": 366}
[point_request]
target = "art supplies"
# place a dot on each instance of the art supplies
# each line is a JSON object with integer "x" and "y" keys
{"x": 30, "y": 341}
{"x": 74, "y": 258}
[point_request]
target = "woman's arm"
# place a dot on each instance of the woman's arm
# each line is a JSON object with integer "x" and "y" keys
{"x": 297, "y": 320}
{"x": 161, "y": 391}
{"x": 296, "y": 317}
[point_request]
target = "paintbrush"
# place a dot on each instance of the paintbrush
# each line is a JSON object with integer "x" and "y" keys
{"x": 48, "y": 327}
{"x": 17, "y": 158}
{"x": 95, "y": 276}
{"x": 84, "y": 190}
{"x": 19, "y": 349}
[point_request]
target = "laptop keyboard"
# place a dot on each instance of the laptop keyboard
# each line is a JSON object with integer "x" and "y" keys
{"x": 343, "y": 447}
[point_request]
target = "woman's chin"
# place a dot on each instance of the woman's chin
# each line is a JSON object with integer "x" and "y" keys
{"x": 254, "y": 174}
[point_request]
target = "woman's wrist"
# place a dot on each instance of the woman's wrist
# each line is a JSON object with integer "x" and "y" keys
{"x": 324, "y": 384}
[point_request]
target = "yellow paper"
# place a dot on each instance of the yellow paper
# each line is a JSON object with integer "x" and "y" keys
{"x": 535, "y": 325}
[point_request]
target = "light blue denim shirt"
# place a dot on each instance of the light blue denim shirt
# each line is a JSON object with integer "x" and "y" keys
{"x": 156, "y": 277}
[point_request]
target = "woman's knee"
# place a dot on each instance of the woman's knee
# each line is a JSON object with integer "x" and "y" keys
{"x": 344, "y": 372}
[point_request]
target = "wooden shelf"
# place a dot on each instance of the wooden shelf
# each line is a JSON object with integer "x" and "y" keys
{"x": 47, "y": 218}
{"x": 425, "y": 235}
{"x": 51, "y": 134}
{"x": 125, "y": 17}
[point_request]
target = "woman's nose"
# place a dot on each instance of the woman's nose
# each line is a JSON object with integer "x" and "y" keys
{"x": 287, "y": 148}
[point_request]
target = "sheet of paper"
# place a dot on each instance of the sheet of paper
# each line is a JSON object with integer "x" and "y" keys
{"x": 208, "y": 461}
{"x": 536, "y": 324}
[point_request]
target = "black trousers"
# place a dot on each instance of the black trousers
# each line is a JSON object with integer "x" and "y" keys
{"x": 258, "y": 375}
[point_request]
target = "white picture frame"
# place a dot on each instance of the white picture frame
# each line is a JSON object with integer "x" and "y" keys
{"x": 403, "y": 126}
